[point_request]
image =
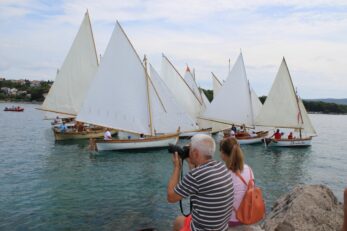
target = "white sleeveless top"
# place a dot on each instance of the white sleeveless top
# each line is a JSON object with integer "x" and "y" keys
{"x": 239, "y": 189}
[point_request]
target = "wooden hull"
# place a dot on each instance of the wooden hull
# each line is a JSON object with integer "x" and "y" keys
{"x": 74, "y": 135}
{"x": 304, "y": 142}
{"x": 252, "y": 140}
{"x": 188, "y": 134}
{"x": 146, "y": 143}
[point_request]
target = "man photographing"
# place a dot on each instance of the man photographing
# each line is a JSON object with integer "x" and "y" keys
{"x": 208, "y": 183}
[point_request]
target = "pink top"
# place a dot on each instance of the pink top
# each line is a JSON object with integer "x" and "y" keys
{"x": 239, "y": 189}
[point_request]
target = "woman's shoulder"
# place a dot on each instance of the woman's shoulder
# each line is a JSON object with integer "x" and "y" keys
{"x": 247, "y": 171}
{"x": 246, "y": 167}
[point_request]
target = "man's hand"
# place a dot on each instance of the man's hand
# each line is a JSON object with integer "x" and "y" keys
{"x": 172, "y": 196}
{"x": 176, "y": 160}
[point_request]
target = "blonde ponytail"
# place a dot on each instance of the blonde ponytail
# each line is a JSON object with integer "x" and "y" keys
{"x": 231, "y": 148}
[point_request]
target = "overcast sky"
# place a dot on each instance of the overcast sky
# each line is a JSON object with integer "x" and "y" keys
{"x": 35, "y": 36}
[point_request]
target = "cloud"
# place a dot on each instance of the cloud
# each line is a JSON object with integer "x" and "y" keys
{"x": 35, "y": 37}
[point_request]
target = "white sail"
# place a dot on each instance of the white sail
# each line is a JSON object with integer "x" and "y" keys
{"x": 217, "y": 85}
{"x": 233, "y": 102}
{"x": 118, "y": 97}
{"x": 256, "y": 104}
{"x": 205, "y": 100}
{"x": 76, "y": 74}
{"x": 307, "y": 125}
{"x": 179, "y": 88}
{"x": 282, "y": 107}
{"x": 190, "y": 80}
{"x": 167, "y": 114}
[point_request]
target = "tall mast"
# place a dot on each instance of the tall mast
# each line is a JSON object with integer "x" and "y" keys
{"x": 148, "y": 96}
{"x": 299, "y": 115}
{"x": 251, "y": 103}
{"x": 229, "y": 66}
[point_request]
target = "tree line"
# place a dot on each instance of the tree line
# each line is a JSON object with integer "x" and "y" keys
{"x": 36, "y": 92}
{"x": 311, "y": 106}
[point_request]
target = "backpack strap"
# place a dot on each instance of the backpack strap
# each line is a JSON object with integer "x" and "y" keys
{"x": 251, "y": 174}
{"x": 242, "y": 179}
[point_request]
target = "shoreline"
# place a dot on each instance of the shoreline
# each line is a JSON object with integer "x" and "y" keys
{"x": 40, "y": 102}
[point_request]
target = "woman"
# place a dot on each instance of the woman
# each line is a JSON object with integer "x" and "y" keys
{"x": 232, "y": 155}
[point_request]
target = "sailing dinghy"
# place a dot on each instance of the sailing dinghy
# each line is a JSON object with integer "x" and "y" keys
{"x": 185, "y": 96}
{"x": 234, "y": 104}
{"x": 122, "y": 97}
{"x": 69, "y": 89}
{"x": 284, "y": 109}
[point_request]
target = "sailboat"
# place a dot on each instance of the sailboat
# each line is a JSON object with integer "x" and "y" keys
{"x": 234, "y": 104}
{"x": 184, "y": 95}
{"x": 170, "y": 114}
{"x": 72, "y": 81}
{"x": 122, "y": 97}
{"x": 284, "y": 109}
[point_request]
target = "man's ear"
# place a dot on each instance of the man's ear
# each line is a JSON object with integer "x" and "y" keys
{"x": 195, "y": 153}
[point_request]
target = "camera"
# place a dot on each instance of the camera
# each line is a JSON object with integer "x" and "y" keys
{"x": 183, "y": 152}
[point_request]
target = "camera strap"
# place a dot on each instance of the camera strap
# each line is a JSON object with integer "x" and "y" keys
{"x": 190, "y": 205}
{"x": 190, "y": 199}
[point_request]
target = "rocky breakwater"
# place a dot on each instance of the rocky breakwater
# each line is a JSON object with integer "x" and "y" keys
{"x": 306, "y": 207}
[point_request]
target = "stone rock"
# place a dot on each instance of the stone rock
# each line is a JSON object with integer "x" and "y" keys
{"x": 246, "y": 228}
{"x": 306, "y": 207}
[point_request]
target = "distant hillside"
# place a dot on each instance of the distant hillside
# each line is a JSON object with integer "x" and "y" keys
{"x": 330, "y": 100}
{"x": 318, "y": 106}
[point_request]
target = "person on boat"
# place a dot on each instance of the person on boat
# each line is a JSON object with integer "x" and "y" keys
{"x": 242, "y": 132}
{"x": 231, "y": 153}
{"x": 57, "y": 120}
{"x": 63, "y": 127}
{"x": 233, "y": 128}
{"x": 277, "y": 135}
{"x": 202, "y": 185}
{"x": 79, "y": 126}
{"x": 290, "y": 136}
{"x": 142, "y": 136}
{"x": 107, "y": 135}
{"x": 232, "y": 133}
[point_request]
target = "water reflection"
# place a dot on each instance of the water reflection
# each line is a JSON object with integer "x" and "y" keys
{"x": 277, "y": 170}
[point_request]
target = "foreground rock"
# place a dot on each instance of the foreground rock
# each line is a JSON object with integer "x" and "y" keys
{"x": 247, "y": 228}
{"x": 306, "y": 207}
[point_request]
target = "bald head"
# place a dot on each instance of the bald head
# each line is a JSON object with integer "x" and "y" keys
{"x": 205, "y": 144}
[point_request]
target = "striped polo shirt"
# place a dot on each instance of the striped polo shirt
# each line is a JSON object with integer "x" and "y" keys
{"x": 211, "y": 190}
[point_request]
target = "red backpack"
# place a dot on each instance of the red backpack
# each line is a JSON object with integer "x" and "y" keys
{"x": 252, "y": 207}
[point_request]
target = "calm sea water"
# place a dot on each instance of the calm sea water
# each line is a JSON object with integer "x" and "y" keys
{"x": 61, "y": 186}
